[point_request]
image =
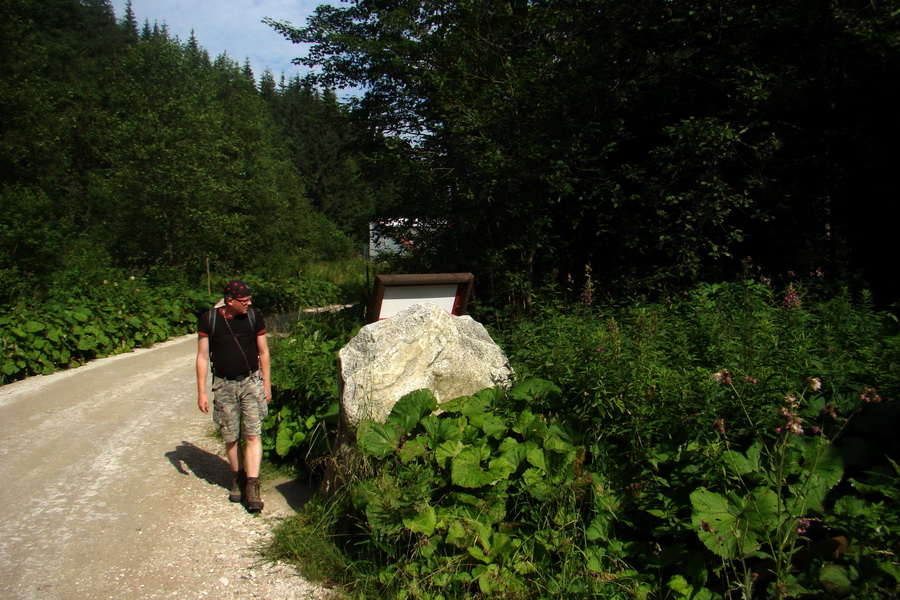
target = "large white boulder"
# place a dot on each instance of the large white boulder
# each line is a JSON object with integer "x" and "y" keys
{"x": 421, "y": 347}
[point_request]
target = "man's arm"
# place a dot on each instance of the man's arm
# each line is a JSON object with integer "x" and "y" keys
{"x": 202, "y": 370}
{"x": 263, "y": 347}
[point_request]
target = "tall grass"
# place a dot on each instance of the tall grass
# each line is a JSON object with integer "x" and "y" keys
{"x": 354, "y": 276}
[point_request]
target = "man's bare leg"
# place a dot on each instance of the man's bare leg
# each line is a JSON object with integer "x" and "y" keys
{"x": 252, "y": 461}
{"x": 233, "y": 452}
{"x": 252, "y": 454}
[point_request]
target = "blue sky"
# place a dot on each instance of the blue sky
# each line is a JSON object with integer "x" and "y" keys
{"x": 234, "y": 26}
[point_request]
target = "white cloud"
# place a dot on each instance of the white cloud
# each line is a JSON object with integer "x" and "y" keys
{"x": 232, "y": 26}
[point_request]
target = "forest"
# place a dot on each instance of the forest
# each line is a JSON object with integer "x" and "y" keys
{"x": 679, "y": 215}
{"x": 659, "y": 143}
{"x": 125, "y": 149}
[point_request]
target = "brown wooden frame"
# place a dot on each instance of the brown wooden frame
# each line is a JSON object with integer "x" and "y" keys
{"x": 383, "y": 283}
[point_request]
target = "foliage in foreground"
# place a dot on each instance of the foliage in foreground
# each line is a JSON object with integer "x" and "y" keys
{"x": 484, "y": 498}
{"x": 303, "y": 413}
{"x": 729, "y": 443}
{"x": 642, "y": 375}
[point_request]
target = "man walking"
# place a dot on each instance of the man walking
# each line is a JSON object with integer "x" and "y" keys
{"x": 233, "y": 337}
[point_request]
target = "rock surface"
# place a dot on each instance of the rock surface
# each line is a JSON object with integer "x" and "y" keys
{"x": 420, "y": 347}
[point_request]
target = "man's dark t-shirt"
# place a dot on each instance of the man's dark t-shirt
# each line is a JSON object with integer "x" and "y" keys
{"x": 232, "y": 346}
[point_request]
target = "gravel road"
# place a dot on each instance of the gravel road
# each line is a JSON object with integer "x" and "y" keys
{"x": 113, "y": 487}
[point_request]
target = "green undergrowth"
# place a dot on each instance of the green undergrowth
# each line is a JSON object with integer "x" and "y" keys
{"x": 485, "y": 498}
{"x": 354, "y": 276}
{"x": 304, "y": 409}
{"x": 97, "y": 313}
{"x": 285, "y": 295}
{"x": 106, "y": 317}
{"x": 736, "y": 441}
{"x": 305, "y": 539}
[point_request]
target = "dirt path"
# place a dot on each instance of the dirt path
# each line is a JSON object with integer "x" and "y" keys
{"x": 113, "y": 488}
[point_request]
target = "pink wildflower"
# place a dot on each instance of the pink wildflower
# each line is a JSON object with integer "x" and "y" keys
{"x": 793, "y": 424}
{"x": 792, "y": 298}
{"x": 870, "y": 396}
{"x": 719, "y": 425}
{"x": 814, "y": 383}
{"x": 587, "y": 296}
{"x": 792, "y": 400}
{"x": 723, "y": 377}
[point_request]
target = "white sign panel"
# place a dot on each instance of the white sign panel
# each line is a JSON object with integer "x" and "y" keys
{"x": 399, "y": 298}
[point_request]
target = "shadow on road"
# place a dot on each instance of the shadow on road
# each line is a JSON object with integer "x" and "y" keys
{"x": 296, "y": 494}
{"x": 189, "y": 459}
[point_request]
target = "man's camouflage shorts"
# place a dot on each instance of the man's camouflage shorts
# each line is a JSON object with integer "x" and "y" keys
{"x": 239, "y": 403}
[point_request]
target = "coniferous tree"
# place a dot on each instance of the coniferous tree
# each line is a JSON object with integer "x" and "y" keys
{"x": 267, "y": 87}
{"x": 197, "y": 55}
{"x": 129, "y": 22}
{"x": 136, "y": 153}
{"x": 323, "y": 142}
{"x": 247, "y": 71}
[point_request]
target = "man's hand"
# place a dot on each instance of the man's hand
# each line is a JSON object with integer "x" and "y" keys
{"x": 203, "y": 402}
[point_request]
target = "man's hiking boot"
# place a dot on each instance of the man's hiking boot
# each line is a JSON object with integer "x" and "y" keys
{"x": 254, "y": 501}
{"x": 238, "y": 481}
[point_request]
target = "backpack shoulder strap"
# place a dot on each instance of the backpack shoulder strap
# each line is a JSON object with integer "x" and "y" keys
{"x": 213, "y": 314}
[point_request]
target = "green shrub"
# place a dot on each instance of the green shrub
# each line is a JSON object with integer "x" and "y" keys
{"x": 485, "y": 499}
{"x": 303, "y": 415}
{"x": 735, "y": 441}
{"x": 291, "y": 295}
{"x": 639, "y": 374}
{"x": 100, "y": 318}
